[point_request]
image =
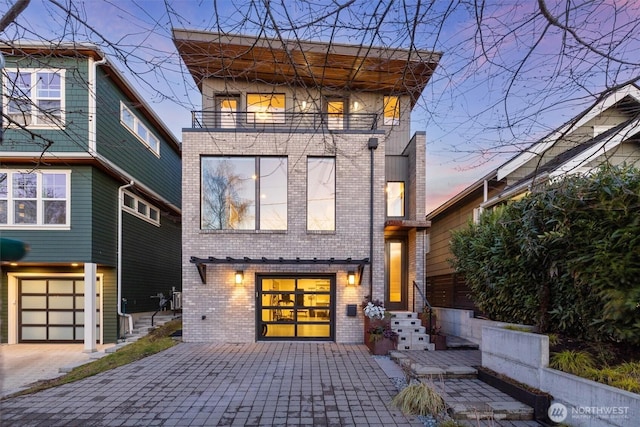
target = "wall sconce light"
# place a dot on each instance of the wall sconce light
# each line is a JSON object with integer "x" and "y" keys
{"x": 239, "y": 277}
{"x": 356, "y": 105}
{"x": 351, "y": 278}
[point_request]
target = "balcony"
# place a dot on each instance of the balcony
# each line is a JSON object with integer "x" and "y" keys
{"x": 281, "y": 121}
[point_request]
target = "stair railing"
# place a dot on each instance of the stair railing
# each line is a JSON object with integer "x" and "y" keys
{"x": 426, "y": 304}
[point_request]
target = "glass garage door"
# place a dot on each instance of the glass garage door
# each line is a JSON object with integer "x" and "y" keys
{"x": 296, "y": 308}
{"x": 52, "y": 310}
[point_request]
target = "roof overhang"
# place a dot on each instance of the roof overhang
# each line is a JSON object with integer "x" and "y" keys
{"x": 305, "y": 63}
{"x": 405, "y": 224}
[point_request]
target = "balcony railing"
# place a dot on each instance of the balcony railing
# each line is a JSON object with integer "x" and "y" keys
{"x": 283, "y": 121}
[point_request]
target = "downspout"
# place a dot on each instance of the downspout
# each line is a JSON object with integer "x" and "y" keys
{"x": 119, "y": 266}
{"x": 372, "y": 145}
{"x": 93, "y": 94}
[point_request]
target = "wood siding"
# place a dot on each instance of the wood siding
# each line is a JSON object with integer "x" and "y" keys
{"x": 151, "y": 261}
{"x": 116, "y": 143}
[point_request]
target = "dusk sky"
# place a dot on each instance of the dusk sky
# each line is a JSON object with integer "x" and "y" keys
{"x": 499, "y": 87}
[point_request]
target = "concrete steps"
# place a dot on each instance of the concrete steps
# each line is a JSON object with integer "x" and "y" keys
{"x": 453, "y": 375}
{"x": 142, "y": 327}
{"x": 411, "y": 334}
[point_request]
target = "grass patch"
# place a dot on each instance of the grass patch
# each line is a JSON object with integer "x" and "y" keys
{"x": 156, "y": 341}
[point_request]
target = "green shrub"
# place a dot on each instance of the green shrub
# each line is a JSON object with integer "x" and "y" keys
{"x": 565, "y": 258}
{"x": 572, "y": 362}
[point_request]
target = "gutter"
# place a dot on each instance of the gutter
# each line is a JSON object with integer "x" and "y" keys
{"x": 371, "y": 145}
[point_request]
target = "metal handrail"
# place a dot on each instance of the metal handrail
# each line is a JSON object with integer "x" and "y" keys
{"x": 426, "y": 304}
{"x": 283, "y": 120}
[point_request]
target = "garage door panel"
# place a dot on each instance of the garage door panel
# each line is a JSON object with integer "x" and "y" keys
{"x": 34, "y": 333}
{"x": 34, "y": 317}
{"x": 52, "y": 310}
{"x": 33, "y": 302}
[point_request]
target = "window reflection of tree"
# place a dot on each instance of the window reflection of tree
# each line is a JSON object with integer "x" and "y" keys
{"x": 223, "y": 205}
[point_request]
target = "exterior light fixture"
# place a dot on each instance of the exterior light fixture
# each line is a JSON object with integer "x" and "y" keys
{"x": 351, "y": 278}
{"x": 239, "y": 277}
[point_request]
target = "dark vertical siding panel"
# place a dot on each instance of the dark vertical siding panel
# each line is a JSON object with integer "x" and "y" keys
{"x": 151, "y": 261}
{"x": 397, "y": 168}
{"x": 120, "y": 146}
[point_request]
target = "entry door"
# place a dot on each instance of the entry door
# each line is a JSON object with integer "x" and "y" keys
{"x": 296, "y": 308}
{"x": 396, "y": 274}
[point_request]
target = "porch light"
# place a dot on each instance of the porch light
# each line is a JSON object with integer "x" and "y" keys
{"x": 351, "y": 278}
{"x": 239, "y": 277}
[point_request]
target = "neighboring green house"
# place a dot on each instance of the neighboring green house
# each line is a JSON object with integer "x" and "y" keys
{"x": 90, "y": 179}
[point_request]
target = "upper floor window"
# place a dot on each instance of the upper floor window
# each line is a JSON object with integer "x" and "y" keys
{"x": 265, "y": 108}
{"x": 335, "y": 113}
{"x": 136, "y": 127}
{"x": 140, "y": 208}
{"x": 35, "y": 97}
{"x": 321, "y": 193}
{"x": 391, "y": 114}
{"x": 227, "y": 108}
{"x": 35, "y": 199}
{"x": 395, "y": 199}
{"x": 243, "y": 193}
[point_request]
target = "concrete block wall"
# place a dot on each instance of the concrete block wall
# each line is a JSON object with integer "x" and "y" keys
{"x": 229, "y": 310}
{"x": 524, "y": 357}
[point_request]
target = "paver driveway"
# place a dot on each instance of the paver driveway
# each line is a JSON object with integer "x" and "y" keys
{"x": 320, "y": 384}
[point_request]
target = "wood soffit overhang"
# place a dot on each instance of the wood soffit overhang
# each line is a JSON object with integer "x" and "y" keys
{"x": 306, "y": 64}
{"x": 405, "y": 224}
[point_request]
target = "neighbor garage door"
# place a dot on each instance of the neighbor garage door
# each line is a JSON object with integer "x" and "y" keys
{"x": 52, "y": 310}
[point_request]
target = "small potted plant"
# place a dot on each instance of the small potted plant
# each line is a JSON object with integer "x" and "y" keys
{"x": 378, "y": 335}
{"x": 438, "y": 338}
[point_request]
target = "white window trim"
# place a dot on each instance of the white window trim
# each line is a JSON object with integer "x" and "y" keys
{"x": 135, "y": 212}
{"x": 137, "y": 124}
{"x": 11, "y": 225}
{"x": 33, "y": 98}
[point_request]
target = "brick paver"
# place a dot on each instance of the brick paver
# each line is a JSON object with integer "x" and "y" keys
{"x": 261, "y": 384}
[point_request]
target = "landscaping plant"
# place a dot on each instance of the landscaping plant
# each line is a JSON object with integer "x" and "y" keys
{"x": 566, "y": 257}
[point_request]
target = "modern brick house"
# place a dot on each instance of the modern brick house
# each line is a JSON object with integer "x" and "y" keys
{"x": 303, "y": 191}
{"x": 606, "y": 132}
{"x": 90, "y": 180}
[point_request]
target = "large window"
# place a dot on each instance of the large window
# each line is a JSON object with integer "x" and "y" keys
{"x": 244, "y": 193}
{"x": 136, "y": 127}
{"x": 29, "y": 199}
{"x": 395, "y": 199}
{"x": 265, "y": 108}
{"x": 35, "y": 97}
{"x": 321, "y": 193}
{"x": 391, "y": 110}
